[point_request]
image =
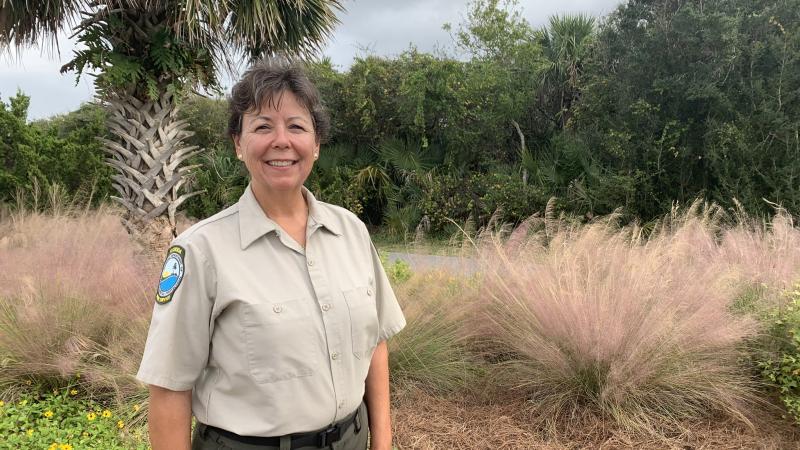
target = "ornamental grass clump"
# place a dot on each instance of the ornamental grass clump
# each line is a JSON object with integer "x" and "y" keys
{"x": 74, "y": 302}
{"x": 598, "y": 319}
{"x": 431, "y": 353}
{"x": 766, "y": 255}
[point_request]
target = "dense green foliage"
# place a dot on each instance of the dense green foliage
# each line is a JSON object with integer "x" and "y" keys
{"x": 784, "y": 368}
{"x": 61, "y": 150}
{"x": 658, "y": 102}
{"x": 683, "y": 98}
{"x": 64, "y": 420}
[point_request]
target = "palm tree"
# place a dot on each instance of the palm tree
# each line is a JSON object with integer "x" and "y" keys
{"x": 148, "y": 55}
{"x": 565, "y": 43}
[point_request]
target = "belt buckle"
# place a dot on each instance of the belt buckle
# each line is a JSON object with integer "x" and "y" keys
{"x": 329, "y": 436}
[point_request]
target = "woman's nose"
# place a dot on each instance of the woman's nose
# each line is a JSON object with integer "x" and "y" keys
{"x": 281, "y": 137}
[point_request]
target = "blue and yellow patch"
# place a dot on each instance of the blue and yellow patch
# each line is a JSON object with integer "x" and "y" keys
{"x": 171, "y": 274}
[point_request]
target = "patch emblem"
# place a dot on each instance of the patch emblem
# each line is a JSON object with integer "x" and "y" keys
{"x": 171, "y": 274}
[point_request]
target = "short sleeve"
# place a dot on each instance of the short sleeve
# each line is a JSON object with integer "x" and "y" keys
{"x": 178, "y": 341}
{"x": 390, "y": 316}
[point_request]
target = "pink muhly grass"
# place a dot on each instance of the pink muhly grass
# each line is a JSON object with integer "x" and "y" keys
{"x": 75, "y": 297}
{"x": 764, "y": 254}
{"x": 597, "y": 318}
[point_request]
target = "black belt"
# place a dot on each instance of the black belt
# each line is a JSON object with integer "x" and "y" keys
{"x": 320, "y": 438}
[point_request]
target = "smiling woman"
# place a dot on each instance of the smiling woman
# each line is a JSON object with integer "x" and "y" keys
{"x": 272, "y": 315}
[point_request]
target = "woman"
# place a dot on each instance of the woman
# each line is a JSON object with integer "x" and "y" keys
{"x": 272, "y": 316}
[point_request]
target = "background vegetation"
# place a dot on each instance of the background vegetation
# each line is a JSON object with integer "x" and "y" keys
{"x": 658, "y": 102}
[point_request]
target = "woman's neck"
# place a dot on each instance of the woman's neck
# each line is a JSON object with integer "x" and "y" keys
{"x": 282, "y": 205}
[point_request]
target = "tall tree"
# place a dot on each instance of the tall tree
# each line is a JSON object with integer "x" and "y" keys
{"x": 148, "y": 55}
{"x": 565, "y": 44}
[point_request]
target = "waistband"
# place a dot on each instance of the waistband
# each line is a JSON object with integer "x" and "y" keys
{"x": 320, "y": 438}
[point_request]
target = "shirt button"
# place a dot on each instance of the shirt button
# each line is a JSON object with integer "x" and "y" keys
{"x": 310, "y": 262}
{"x": 369, "y": 291}
{"x": 334, "y": 356}
{"x": 277, "y": 308}
{"x": 326, "y": 307}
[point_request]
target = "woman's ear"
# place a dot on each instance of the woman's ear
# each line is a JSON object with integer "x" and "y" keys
{"x": 236, "y": 145}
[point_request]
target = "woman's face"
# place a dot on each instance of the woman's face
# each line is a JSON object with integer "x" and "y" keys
{"x": 278, "y": 145}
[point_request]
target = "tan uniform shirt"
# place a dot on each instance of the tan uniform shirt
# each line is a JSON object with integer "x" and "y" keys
{"x": 272, "y": 338}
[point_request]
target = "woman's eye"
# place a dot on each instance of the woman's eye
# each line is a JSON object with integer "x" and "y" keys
{"x": 262, "y": 127}
{"x": 297, "y": 127}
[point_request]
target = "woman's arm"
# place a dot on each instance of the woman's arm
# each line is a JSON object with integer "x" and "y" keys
{"x": 170, "y": 419}
{"x": 377, "y": 398}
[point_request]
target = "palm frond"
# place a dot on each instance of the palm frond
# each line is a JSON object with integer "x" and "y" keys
{"x": 25, "y": 22}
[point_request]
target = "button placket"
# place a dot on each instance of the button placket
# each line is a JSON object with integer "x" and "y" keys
{"x": 334, "y": 338}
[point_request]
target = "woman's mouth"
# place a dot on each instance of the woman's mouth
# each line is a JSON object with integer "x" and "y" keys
{"x": 281, "y": 163}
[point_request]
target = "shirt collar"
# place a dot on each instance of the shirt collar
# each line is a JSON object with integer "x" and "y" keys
{"x": 319, "y": 214}
{"x": 254, "y": 223}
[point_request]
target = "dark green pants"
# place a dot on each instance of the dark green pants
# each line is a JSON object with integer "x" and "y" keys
{"x": 350, "y": 440}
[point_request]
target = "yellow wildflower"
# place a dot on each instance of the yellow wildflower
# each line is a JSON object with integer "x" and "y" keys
{"x": 106, "y": 413}
{"x": 73, "y": 392}
{"x": 53, "y": 446}
{"x": 23, "y": 402}
{"x": 120, "y": 424}
{"x": 48, "y": 414}
{"x": 91, "y": 416}
{"x": 29, "y": 432}
{"x": 135, "y": 407}
{"x": 64, "y": 447}
{"x": 85, "y": 434}
{"x": 2, "y": 403}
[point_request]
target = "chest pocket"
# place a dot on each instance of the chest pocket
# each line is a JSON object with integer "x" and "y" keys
{"x": 363, "y": 320}
{"x": 278, "y": 344}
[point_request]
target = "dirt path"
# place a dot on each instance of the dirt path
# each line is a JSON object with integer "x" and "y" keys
{"x": 427, "y": 262}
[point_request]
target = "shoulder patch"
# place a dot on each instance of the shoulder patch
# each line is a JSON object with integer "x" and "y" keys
{"x": 171, "y": 274}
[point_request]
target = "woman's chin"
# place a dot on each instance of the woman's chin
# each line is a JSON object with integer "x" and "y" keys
{"x": 277, "y": 186}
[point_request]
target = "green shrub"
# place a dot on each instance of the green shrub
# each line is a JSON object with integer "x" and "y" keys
{"x": 62, "y": 420}
{"x": 784, "y": 369}
{"x": 514, "y": 200}
{"x": 62, "y": 150}
{"x": 450, "y": 198}
{"x": 398, "y": 271}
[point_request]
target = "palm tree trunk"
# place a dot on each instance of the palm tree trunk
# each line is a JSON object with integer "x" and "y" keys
{"x": 147, "y": 154}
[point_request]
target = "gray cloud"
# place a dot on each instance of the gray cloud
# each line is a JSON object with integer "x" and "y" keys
{"x": 382, "y": 27}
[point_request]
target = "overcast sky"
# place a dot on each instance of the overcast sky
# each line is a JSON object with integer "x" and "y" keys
{"x": 382, "y": 27}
